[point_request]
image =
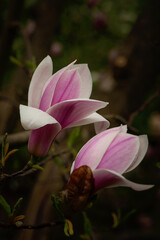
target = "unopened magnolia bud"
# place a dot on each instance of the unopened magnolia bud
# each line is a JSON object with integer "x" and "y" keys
{"x": 80, "y": 187}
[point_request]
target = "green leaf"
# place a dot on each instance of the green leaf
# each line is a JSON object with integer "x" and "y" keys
{"x": 129, "y": 214}
{"x": 6, "y": 148}
{"x": 31, "y": 64}
{"x": 16, "y": 61}
{"x": 158, "y": 164}
{"x": 5, "y": 205}
{"x": 16, "y": 206}
{"x": 19, "y": 218}
{"x": 57, "y": 204}
{"x": 87, "y": 226}
{"x": 115, "y": 220}
{"x": 33, "y": 160}
{"x": 37, "y": 167}
{"x": 73, "y": 137}
{"x": 58, "y": 162}
{"x": 8, "y": 154}
{"x": 119, "y": 219}
{"x": 68, "y": 228}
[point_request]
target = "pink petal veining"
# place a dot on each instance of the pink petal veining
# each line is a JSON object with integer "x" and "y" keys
{"x": 70, "y": 111}
{"x": 121, "y": 153}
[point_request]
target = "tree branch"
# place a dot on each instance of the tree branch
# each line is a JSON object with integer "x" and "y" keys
{"x": 28, "y": 168}
{"x": 141, "y": 108}
{"x": 25, "y": 226}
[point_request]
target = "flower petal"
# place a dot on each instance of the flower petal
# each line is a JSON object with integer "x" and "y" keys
{"x": 50, "y": 86}
{"x": 143, "y": 146}
{"x": 93, "y": 118}
{"x": 70, "y": 111}
{"x": 41, "y": 139}
{"x": 107, "y": 178}
{"x": 68, "y": 87}
{"x": 92, "y": 152}
{"x": 101, "y": 124}
{"x": 33, "y": 118}
{"x": 40, "y": 76}
{"x": 86, "y": 80}
{"x": 121, "y": 153}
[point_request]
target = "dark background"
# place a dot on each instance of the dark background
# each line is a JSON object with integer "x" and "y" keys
{"x": 120, "y": 41}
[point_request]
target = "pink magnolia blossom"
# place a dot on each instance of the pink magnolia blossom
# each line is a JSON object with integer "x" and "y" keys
{"x": 110, "y": 154}
{"x": 59, "y": 101}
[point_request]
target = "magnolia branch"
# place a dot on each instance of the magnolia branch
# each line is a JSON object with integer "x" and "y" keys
{"x": 121, "y": 120}
{"x": 139, "y": 110}
{"x": 28, "y": 169}
{"x": 134, "y": 114}
{"x": 24, "y": 226}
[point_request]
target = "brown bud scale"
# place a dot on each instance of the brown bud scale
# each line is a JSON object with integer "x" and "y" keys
{"x": 80, "y": 187}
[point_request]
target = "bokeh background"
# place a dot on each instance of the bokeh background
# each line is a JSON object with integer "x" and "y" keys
{"x": 120, "y": 41}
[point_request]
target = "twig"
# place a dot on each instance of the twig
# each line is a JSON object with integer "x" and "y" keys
{"x": 28, "y": 168}
{"x": 139, "y": 110}
{"x": 122, "y": 121}
{"x": 24, "y": 226}
{"x": 116, "y": 117}
{"x": 50, "y": 157}
{"x": 134, "y": 114}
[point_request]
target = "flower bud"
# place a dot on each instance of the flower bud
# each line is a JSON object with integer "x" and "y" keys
{"x": 80, "y": 188}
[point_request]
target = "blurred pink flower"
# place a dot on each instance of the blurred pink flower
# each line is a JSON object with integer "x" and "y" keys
{"x": 100, "y": 20}
{"x": 56, "y": 49}
{"x": 110, "y": 154}
{"x": 30, "y": 28}
{"x": 59, "y": 101}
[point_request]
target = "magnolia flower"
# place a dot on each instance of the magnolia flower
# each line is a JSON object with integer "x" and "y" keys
{"x": 59, "y": 101}
{"x": 110, "y": 154}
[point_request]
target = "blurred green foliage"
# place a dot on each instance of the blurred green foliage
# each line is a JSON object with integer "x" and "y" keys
{"x": 89, "y": 33}
{"x": 86, "y": 33}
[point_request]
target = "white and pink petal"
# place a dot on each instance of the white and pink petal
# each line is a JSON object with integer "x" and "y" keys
{"x": 33, "y": 118}
{"x": 93, "y": 151}
{"x": 107, "y": 178}
{"x": 39, "y": 78}
{"x": 68, "y": 87}
{"x": 50, "y": 86}
{"x": 70, "y": 111}
{"x": 41, "y": 139}
{"x": 86, "y": 80}
{"x": 143, "y": 146}
{"x": 100, "y": 122}
{"x": 120, "y": 153}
